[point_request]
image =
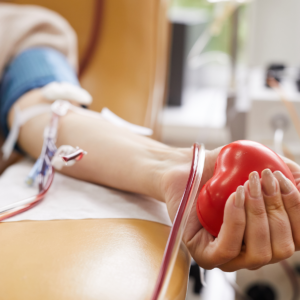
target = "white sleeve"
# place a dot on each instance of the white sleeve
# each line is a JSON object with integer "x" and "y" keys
{"x": 27, "y": 26}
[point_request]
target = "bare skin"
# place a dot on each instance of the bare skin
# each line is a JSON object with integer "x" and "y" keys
{"x": 262, "y": 213}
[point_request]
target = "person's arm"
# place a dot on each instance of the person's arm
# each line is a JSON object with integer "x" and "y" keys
{"x": 120, "y": 159}
{"x": 116, "y": 157}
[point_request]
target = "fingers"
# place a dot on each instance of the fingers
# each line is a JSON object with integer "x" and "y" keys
{"x": 209, "y": 252}
{"x": 257, "y": 250}
{"x": 257, "y": 235}
{"x": 280, "y": 229}
{"x": 272, "y": 216}
{"x": 271, "y": 233}
{"x": 291, "y": 200}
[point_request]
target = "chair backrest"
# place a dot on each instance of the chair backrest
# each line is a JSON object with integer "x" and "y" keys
{"x": 126, "y": 70}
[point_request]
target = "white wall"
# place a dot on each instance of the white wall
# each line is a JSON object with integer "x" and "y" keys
{"x": 274, "y": 32}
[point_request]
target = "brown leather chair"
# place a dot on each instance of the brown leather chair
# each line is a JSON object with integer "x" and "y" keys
{"x": 123, "y": 50}
{"x": 124, "y": 67}
{"x": 86, "y": 259}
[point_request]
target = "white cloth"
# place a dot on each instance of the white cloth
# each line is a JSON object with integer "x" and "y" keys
{"x": 70, "y": 198}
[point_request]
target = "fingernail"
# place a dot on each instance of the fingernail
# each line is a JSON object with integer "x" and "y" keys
{"x": 254, "y": 185}
{"x": 285, "y": 184}
{"x": 268, "y": 182}
{"x": 240, "y": 197}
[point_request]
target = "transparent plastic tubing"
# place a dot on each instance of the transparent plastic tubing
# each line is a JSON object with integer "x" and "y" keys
{"x": 46, "y": 174}
{"x": 13, "y": 209}
{"x": 47, "y": 171}
{"x": 190, "y": 194}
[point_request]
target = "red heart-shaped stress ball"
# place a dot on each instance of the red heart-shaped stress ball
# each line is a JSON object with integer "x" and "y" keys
{"x": 234, "y": 164}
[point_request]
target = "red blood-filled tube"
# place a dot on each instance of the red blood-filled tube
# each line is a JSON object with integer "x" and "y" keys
{"x": 183, "y": 212}
{"x": 11, "y": 210}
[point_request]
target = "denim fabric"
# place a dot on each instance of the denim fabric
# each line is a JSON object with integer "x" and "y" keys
{"x": 31, "y": 69}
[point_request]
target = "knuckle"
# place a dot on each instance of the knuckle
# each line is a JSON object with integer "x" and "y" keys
{"x": 297, "y": 242}
{"x": 281, "y": 221}
{"x": 240, "y": 222}
{"x": 257, "y": 261}
{"x": 227, "y": 254}
{"x": 293, "y": 204}
{"x": 290, "y": 251}
{"x": 259, "y": 211}
{"x": 284, "y": 252}
{"x": 275, "y": 205}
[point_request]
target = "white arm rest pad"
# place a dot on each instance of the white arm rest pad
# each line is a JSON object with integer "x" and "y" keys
{"x": 70, "y": 198}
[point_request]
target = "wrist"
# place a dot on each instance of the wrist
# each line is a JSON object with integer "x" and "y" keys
{"x": 167, "y": 163}
{"x": 172, "y": 169}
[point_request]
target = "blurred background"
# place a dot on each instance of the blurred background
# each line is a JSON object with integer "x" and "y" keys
{"x": 222, "y": 54}
{"x": 222, "y": 57}
{"x": 207, "y": 71}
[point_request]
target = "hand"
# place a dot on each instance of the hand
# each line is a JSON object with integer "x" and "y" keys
{"x": 270, "y": 211}
{"x": 269, "y": 234}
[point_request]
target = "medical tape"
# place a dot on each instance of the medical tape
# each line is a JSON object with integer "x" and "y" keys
{"x": 65, "y": 90}
{"x": 20, "y": 118}
{"x": 58, "y": 162}
{"x": 112, "y": 118}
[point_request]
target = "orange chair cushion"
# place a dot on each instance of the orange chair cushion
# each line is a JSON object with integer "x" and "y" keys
{"x": 86, "y": 259}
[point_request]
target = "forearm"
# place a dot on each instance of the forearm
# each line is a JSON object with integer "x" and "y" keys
{"x": 116, "y": 157}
